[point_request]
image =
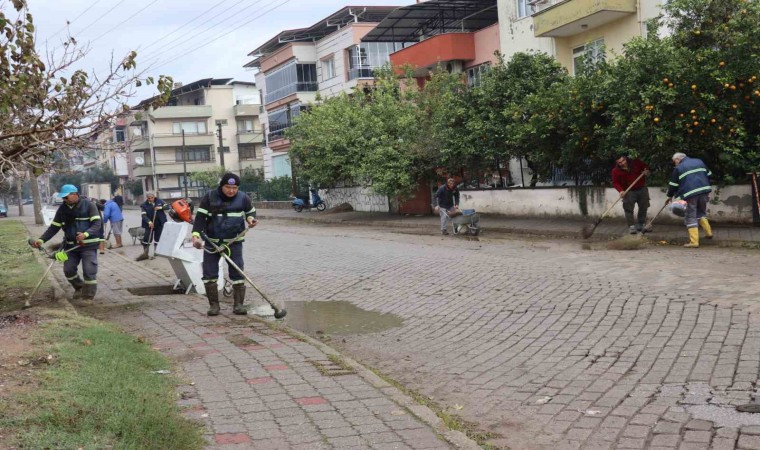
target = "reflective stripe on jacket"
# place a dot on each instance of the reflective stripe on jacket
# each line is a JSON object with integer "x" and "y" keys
{"x": 689, "y": 178}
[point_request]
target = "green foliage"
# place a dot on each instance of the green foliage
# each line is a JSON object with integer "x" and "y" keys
{"x": 95, "y": 175}
{"x": 135, "y": 187}
{"x": 694, "y": 90}
{"x": 209, "y": 178}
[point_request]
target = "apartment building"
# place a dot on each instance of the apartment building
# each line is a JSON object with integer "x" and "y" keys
{"x": 326, "y": 58}
{"x": 570, "y": 30}
{"x": 170, "y": 142}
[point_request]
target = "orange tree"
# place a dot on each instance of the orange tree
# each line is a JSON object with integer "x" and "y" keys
{"x": 695, "y": 90}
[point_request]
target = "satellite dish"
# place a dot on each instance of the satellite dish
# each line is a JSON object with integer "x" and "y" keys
{"x": 139, "y": 160}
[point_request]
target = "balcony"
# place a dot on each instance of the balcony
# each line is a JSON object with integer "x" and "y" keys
{"x": 437, "y": 49}
{"x": 182, "y": 112}
{"x": 175, "y": 140}
{"x": 571, "y": 17}
{"x": 254, "y": 137}
{"x": 246, "y": 110}
{"x": 140, "y": 144}
{"x": 173, "y": 167}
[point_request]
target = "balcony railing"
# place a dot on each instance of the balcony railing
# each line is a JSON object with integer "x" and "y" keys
{"x": 361, "y": 72}
{"x": 250, "y": 137}
{"x": 175, "y": 140}
{"x": 284, "y": 91}
{"x": 570, "y": 17}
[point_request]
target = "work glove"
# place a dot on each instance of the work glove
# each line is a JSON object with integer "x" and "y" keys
{"x": 36, "y": 243}
{"x": 61, "y": 256}
{"x": 198, "y": 243}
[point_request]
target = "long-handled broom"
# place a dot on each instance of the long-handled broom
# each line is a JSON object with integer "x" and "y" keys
{"x": 588, "y": 229}
{"x": 648, "y": 226}
{"x": 146, "y": 249}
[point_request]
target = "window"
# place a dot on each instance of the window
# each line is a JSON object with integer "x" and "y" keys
{"x": 289, "y": 79}
{"x": 189, "y": 127}
{"x": 523, "y": 8}
{"x": 474, "y": 74}
{"x": 193, "y": 154}
{"x": 281, "y": 119}
{"x": 328, "y": 68}
{"x": 120, "y": 134}
{"x": 364, "y": 58}
{"x": 247, "y": 151}
{"x": 590, "y": 54}
{"x": 190, "y": 182}
{"x": 245, "y": 126}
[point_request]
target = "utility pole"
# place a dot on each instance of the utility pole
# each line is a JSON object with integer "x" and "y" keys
{"x": 219, "y": 124}
{"x": 184, "y": 162}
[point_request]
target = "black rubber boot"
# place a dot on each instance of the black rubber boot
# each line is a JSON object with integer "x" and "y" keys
{"x": 212, "y": 292}
{"x": 77, "y": 284}
{"x": 239, "y": 295}
{"x": 89, "y": 291}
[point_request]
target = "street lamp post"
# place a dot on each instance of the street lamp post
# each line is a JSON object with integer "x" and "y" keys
{"x": 219, "y": 124}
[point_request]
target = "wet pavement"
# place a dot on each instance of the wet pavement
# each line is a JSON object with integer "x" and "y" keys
{"x": 543, "y": 343}
{"x": 255, "y": 384}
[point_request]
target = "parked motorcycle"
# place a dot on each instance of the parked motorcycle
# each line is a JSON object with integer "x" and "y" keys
{"x": 301, "y": 201}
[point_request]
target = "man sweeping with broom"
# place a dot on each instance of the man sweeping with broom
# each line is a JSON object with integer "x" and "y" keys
{"x": 153, "y": 220}
{"x": 633, "y": 190}
{"x": 223, "y": 214}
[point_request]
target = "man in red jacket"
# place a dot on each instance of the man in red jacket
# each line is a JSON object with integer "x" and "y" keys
{"x": 624, "y": 173}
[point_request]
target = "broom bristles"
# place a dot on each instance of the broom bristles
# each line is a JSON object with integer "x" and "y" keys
{"x": 588, "y": 230}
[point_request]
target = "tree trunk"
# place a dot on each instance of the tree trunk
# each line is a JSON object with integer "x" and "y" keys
{"x": 36, "y": 199}
{"x": 19, "y": 194}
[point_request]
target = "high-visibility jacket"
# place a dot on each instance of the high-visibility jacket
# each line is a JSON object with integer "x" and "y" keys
{"x": 689, "y": 178}
{"x": 221, "y": 217}
{"x": 149, "y": 212}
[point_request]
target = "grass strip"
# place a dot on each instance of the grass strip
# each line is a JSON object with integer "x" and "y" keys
{"x": 20, "y": 269}
{"x": 103, "y": 391}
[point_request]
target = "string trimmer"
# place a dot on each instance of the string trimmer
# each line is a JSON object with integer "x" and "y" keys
{"x": 58, "y": 256}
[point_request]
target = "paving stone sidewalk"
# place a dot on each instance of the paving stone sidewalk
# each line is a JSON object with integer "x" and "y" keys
{"x": 253, "y": 384}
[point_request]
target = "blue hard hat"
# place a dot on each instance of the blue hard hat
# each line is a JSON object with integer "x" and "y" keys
{"x": 67, "y": 189}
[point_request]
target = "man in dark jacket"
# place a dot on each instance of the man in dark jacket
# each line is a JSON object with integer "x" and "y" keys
{"x": 222, "y": 215}
{"x": 447, "y": 200}
{"x": 153, "y": 220}
{"x": 80, "y": 221}
{"x": 624, "y": 173}
{"x": 690, "y": 182}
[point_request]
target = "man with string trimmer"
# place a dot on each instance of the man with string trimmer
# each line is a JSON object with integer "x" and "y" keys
{"x": 222, "y": 215}
{"x": 80, "y": 221}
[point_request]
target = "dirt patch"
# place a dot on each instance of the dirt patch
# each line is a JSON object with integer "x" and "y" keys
{"x": 17, "y": 368}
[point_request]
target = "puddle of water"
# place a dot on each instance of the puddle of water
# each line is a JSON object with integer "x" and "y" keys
{"x": 339, "y": 317}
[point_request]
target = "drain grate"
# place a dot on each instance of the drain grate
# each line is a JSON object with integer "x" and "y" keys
{"x": 332, "y": 369}
{"x": 155, "y": 290}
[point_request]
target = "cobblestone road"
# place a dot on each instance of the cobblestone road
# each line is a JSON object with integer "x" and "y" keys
{"x": 543, "y": 343}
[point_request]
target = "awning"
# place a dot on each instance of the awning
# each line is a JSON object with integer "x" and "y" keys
{"x": 433, "y": 17}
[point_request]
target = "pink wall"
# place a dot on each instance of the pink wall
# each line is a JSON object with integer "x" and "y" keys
{"x": 486, "y": 43}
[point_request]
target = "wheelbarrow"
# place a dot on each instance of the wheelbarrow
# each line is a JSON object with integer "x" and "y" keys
{"x": 466, "y": 223}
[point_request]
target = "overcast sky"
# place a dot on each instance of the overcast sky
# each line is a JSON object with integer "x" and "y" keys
{"x": 187, "y": 39}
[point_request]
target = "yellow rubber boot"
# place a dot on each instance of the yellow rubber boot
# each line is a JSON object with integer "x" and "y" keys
{"x": 706, "y": 226}
{"x": 693, "y": 238}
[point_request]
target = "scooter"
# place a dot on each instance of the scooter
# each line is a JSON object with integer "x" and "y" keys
{"x": 299, "y": 203}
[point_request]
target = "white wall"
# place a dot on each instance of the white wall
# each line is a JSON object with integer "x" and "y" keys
{"x": 360, "y": 198}
{"x": 728, "y": 204}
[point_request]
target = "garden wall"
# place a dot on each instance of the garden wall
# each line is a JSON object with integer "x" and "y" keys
{"x": 728, "y": 204}
{"x": 360, "y": 198}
